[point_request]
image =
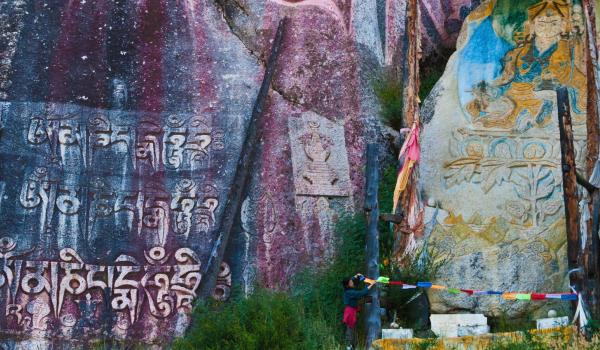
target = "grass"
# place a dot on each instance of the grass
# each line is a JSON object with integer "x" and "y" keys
{"x": 533, "y": 342}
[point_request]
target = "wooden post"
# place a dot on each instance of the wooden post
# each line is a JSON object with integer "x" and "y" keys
{"x": 413, "y": 54}
{"x": 569, "y": 176}
{"x": 242, "y": 171}
{"x": 373, "y": 312}
{"x": 590, "y": 257}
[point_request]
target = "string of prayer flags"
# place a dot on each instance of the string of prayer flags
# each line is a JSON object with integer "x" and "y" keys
{"x": 504, "y": 295}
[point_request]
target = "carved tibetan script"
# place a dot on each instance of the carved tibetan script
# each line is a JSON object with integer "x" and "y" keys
{"x": 114, "y": 216}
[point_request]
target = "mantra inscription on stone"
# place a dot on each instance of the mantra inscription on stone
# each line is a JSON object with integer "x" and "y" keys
{"x": 155, "y": 210}
{"x": 114, "y": 215}
{"x": 72, "y": 137}
{"x": 165, "y": 283}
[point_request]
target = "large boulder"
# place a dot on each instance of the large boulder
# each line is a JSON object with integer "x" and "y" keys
{"x": 491, "y": 153}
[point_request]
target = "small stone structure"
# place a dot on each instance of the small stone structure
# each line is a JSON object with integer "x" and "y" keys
{"x": 552, "y": 322}
{"x": 399, "y": 333}
{"x": 458, "y": 325}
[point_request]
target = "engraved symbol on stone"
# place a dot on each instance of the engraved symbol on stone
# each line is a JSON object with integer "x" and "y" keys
{"x": 68, "y": 320}
{"x": 182, "y": 205}
{"x": 103, "y": 134}
{"x": 207, "y": 207}
{"x": 156, "y": 212}
{"x": 199, "y": 141}
{"x": 16, "y": 311}
{"x": 39, "y": 311}
{"x": 67, "y": 202}
{"x": 32, "y": 192}
{"x": 223, "y": 288}
{"x": 186, "y": 278}
{"x": 37, "y": 131}
{"x": 10, "y": 269}
{"x": 148, "y": 146}
{"x": 174, "y": 140}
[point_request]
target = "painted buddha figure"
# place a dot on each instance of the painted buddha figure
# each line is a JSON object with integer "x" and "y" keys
{"x": 549, "y": 56}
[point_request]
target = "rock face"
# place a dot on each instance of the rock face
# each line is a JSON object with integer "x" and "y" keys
{"x": 122, "y": 126}
{"x": 122, "y": 123}
{"x": 491, "y": 155}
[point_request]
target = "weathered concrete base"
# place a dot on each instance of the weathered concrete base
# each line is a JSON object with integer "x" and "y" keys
{"x": 400, "y": 333}
{"x": 552, "y": 322}
{"x": 456, "y": 325}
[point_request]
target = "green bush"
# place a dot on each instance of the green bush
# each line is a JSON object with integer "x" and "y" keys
{"x": 264, "y": 320}
{"x": 389, "y": 91}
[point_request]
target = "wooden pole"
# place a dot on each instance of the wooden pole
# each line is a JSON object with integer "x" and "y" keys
{"x": 590, "y": 256}
{"x": 371, "y": 206}
{"x": 569, "y": 176}
{"x": 242, "y": 172}
{"x": 412, "y": 84}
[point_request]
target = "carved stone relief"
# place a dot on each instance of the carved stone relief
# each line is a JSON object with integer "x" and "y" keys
{"x": 161, "y": 285}
{"x": 82, "y": 188}
{"x": 150, "y": 143}
{"x": 319, "y": 156}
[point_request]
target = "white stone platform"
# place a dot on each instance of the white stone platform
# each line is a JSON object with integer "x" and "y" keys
{"x": 458, "y": 325}
{"x": 552, "y": 322}
{"x": 400, "y": 333}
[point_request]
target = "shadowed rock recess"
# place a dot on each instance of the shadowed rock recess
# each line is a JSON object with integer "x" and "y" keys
{"x": 122, "y": 124}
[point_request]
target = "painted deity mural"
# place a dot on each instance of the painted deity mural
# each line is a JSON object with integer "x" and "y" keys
{"x": 497, "y": 186}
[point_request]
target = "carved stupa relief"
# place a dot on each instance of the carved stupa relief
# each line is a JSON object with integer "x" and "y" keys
{"x": 319, "y": 156}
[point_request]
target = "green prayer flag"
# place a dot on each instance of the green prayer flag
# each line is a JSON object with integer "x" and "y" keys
{"x": 523, "y": 296}
{"x": 453, "y": 290}
{"x": 382, "y": 279}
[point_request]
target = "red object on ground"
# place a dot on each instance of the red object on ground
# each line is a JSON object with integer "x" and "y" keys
{"x": 350, "y": 316}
